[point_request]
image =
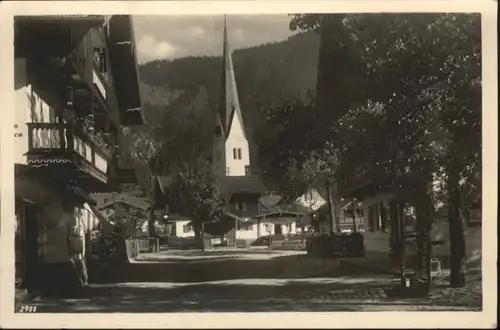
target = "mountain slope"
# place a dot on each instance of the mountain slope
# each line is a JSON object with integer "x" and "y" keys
{"x": 264, "y": 74}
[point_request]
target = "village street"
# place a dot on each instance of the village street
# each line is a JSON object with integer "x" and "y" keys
{"x": 243, "y": 280}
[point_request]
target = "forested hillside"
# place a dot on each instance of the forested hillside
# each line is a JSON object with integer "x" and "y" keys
{"x": 189, "y": 88}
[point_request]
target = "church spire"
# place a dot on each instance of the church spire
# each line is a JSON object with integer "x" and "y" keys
{"x": 229, "y": 104}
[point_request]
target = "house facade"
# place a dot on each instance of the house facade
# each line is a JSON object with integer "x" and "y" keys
{"x": 75, "y": 86}
{"x": 180, "y": 228}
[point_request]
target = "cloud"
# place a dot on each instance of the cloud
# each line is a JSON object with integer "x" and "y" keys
{"x": 149, "y": 48}
{"x": 195, "y": 31}
{"x": 199, "y": 35}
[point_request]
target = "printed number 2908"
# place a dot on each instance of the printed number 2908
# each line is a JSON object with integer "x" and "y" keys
{"x": 27, "y": 309}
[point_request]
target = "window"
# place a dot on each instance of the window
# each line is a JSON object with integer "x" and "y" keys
{"x": 235, "y": 155}
{"x": 240, "y": 206}
{"x": 239, "y": 153}
{"x": 100, "y": 59}
{"x": 228, "y": 171}
{"x": 186, "y": 229}
{"x": 247, "y": 169}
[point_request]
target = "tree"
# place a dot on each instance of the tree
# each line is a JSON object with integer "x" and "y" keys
{"x": 409, "y": 61}
{"x": 127, "y": 220}
{"x": 197, "y": 196}
{"x": 460, "y": 118}
{"x": 164, "y": 146}
{"x": 143, "y": 151}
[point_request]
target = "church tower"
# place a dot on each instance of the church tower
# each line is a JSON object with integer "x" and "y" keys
{"x": 231, "y": 152}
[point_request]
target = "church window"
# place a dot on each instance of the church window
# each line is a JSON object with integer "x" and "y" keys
{"x": 239, "y": 153}
{"x": 100, "y": 59}
{"x": 235, "y": 155}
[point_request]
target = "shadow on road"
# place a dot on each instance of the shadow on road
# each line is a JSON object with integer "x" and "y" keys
{"x": 215, "y": 266}
{"x": 209, "y": 297}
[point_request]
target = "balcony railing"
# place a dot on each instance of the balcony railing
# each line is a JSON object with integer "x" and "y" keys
{"x": 65, "y": 140}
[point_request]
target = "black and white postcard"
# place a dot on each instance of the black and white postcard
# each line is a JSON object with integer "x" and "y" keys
{"x": 264, "y": 164}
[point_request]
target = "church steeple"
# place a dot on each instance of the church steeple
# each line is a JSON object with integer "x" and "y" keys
{"x": 229, "y": 103}
{"x": 231, "y": 149}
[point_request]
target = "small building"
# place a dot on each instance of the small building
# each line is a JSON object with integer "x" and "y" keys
{"x": 179, "y": 226}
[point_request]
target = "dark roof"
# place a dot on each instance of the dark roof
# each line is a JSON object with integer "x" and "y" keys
{"x": 268, "y": 201}
{"x": 123, "y": 59}
{"x": 247, "y": 184}
{"x": 288, "y": 208}
{"x": 48, "y": 34}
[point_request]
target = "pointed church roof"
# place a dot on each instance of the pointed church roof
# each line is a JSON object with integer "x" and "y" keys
{"x": 229, "y": 105}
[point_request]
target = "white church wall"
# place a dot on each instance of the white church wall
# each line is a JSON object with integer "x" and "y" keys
{"x": 235, "y": 141}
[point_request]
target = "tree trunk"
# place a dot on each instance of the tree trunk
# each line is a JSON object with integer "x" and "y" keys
{"x": 334, "y": 222}
{"x": 354, "y": 226}
{"x": 383, "y": 217}
{"x": 457, "y": 237}
{"x": 423, "y": 225}
{"x": 395, "y": 229}
{"x": 202, "y": 236}
{"x": 151, "y": 228}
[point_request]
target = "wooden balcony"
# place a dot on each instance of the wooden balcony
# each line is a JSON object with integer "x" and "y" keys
{"x": 58, "y": 143}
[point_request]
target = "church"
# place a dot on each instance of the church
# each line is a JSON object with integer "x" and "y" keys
{"x": 243, "y": 188}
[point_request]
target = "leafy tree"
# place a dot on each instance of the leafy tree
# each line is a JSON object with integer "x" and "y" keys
{"x": 127, "y": 220}
{"x": 442, "y": 90}
{"x": 410, "y": 62}
{"x": 305, "y": 22}
{"x": 196, "y": 195}
{"x": 164, "y": 146}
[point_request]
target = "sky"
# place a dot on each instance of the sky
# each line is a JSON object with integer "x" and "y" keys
{"x": 169, "y": 37}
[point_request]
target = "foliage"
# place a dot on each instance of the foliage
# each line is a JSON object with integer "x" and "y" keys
{"x": 196, "y": 195}
{"x": 288, "y": 156}
{"x": 127, "y": 220}
{"x": 305, "y": 22}
{"x": 421, "y": 111}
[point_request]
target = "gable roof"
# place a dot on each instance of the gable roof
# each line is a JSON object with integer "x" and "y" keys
{"x": 311, "y": 199}
{"x": 135, "y": 202}
{"x": 245, "y": 184}
{"x": 229, "y": 102}
{"x": 123, "y": 61}
{"x": 268, "y": 201}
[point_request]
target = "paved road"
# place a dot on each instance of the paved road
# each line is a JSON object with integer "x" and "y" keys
{"x": 234, "y": 281}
